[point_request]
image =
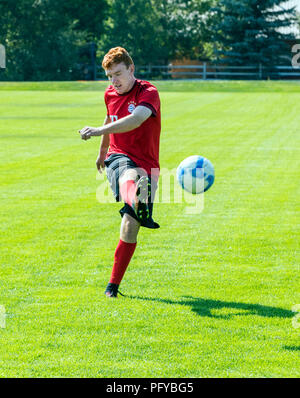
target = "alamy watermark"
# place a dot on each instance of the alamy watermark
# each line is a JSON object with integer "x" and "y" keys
{"x": 2, "y": 57}
{"x": 2, "y": 317}
{"x": 296, "y": 57}
{"x": 166, "y": 190}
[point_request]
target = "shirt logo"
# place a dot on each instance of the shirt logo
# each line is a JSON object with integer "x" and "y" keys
{"x": 113, "y": 118}
{"x": 131, "y": 106}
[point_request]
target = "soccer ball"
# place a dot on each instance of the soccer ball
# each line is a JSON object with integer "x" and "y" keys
{"x": 196, "y": 174}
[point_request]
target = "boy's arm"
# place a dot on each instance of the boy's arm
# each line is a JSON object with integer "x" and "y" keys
{"x": 127, "y": 123}
{"x": 103, "y": 148}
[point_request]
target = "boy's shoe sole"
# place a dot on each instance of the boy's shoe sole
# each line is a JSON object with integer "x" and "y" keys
{"x": 140, "y": 205}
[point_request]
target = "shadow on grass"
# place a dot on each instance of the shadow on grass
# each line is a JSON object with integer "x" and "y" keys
{"x": 292, "y": 347}
{"x": 204, "y": 307}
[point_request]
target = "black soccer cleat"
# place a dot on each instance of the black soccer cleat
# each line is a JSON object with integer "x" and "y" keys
{"x": 112, "y": 290}
{"x": 140, "y": 204}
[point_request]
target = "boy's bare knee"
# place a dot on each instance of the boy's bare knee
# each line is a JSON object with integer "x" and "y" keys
{"x": 129, "y": 229}
{"x": 130, "y": 174}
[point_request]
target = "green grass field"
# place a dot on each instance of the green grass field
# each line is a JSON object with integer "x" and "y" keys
{"x": 209, "y": 295}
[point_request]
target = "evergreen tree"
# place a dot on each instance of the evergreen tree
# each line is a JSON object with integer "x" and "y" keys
{"x": 250, "y": 32}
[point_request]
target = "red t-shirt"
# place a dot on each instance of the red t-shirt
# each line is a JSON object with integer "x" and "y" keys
{"x": 142, "y": 143}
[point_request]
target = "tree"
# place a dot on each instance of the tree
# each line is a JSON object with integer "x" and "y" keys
{"x": 184, "y": 22}
{"x": 134, "y": 25}
{"x": 157, "y": 31}
{"x": 249, "y": 32}
{"x": 42, "y": 36}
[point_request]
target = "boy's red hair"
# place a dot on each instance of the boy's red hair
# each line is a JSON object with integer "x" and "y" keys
{"x": 116, "y": 55}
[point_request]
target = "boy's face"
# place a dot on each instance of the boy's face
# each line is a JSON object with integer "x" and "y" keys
{"x": 121, "y": 77}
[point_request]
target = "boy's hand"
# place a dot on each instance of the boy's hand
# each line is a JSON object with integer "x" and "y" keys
{"x": 88, "y": 132}
{"x": 100, "y": 160}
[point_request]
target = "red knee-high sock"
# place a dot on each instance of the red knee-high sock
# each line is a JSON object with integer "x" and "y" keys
{"x": 127, "y": 191}
{"x": 123, "y": 254}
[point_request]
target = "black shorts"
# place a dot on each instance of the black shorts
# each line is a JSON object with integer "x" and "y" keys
{"x": 115, "y": 165}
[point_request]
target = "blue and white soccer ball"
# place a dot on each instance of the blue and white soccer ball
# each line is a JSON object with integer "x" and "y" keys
{"x": 196, "y": 174}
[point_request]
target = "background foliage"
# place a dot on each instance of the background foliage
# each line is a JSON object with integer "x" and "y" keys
{"x": 247, "y": 32}
{"x": 47, "y": 39}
